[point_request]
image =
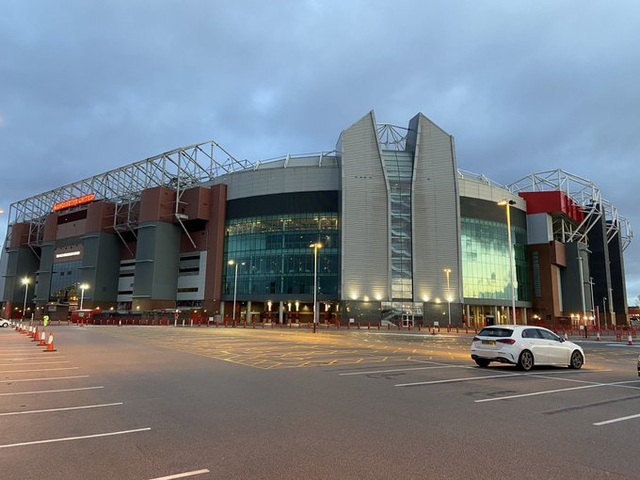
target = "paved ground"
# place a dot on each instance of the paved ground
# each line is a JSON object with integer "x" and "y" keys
{"x": 141, "y": 403}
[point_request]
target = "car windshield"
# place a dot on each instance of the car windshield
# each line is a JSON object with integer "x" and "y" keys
{"x": 495, "y": 332}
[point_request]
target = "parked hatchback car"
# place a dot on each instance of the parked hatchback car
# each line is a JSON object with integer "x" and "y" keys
{"x": 524, "y": 346}
{"x": 4, "y": 323}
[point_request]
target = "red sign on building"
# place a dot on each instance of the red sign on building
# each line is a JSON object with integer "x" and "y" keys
{"x": 74, "y": 202}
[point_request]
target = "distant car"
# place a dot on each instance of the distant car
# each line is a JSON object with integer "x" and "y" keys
{"x": 4, "y": 323}
{"x": 524, "y": 346}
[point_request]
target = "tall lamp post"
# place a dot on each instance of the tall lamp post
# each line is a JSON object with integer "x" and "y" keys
{"x": 235, "y": 287}
{"x": 582, "y": 295}
{"x": 447, "y": 272}
{"x": 315, "y": 246}
{"x": 507, "y": 204}
{"x": 25, "y": 282}
{"x": 83, "y": 287}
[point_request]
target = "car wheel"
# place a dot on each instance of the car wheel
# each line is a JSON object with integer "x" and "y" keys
{"x": 525, "y": 362}
{"x": 576, "y": 360}
{"x": 482, "y": 362}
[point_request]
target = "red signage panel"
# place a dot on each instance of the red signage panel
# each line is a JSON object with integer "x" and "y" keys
{"x": 74, "y": 202}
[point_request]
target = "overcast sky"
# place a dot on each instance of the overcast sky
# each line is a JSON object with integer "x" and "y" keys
{"x": 87, "y": 86}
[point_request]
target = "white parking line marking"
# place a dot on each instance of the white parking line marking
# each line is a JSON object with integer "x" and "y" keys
{"x": 454, "y": 380}
{"x": 183, "y": 475}
{"x": 49, "y": 391}
{"x": 401, "y": 370}
{"x": 12, "y": 351}
{"x": 34, "y": 363}
{"x": 41, "y": 370}
{"x": 67, "y": 439}
{"x": 615, "y": 420}
{"x": 506, "y": 374}
{"x": 62, "y": 409}
{"x": 43, "y": 378}
{"x": 546, "y": 392}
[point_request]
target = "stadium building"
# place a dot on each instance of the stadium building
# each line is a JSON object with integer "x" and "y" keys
{"x": 383, "y": 227}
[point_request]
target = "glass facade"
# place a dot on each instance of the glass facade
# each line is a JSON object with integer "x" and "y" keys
{"x": 398, "y": 167}
{"x": 65, "y": 279}
{"x": 274, "y": 259}
{"x": 485, "y": 260}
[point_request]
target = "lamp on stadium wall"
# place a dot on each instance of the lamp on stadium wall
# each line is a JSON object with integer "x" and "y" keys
{"x": 507, "y": 204}
{"x": 235, "y": 287}
{"x": 83, "y": 287}
{"x": 25, "y": 282}
{"x": 315, "y": 247}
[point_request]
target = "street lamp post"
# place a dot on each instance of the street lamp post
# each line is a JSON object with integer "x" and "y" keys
{"x": 83, "y": 287}
{"x": 582, "y": 295}
{"x": 315, "y": 247}
{"x": 235, "y": 288}
{"x": 25, "y": 282}
{"x": 447, "y": 272}
{"x": 593, "y": 301}
{"x": 507, "y": 204}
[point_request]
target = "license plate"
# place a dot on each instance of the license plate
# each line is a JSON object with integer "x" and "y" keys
{"x": 488, "y": 342}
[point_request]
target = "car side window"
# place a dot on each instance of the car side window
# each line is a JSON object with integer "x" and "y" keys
{"x": 549, "y": 335}
{"x": 531, "y": 333}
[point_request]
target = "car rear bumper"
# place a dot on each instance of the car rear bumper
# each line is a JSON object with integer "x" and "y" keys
{"x": 494, "y": 356}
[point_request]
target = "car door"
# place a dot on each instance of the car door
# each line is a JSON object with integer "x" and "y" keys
{"x": 557, "y": 352}
{"x": 532, "y": 340}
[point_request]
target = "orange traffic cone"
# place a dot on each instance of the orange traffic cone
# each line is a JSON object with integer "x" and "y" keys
{"x": 42, "y": 339}
{"x": 35, "y": 335}
{"x": 630, "y": 340}
{"x": 50, "y": 347}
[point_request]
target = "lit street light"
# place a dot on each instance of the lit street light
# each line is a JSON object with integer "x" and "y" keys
{"x": 25, "y": 282}
{"x": 315, "y": 247}
{"x": 235, "y": 287}
{"x": 507, "y": 204}
{"x": 83, "y": 287}
{"x": 447, "y": 272}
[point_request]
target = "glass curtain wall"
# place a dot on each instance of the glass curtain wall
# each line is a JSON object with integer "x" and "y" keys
{"x": 398, "y": 167}
{"x": 485, "y": 260}
{"x": 65, "y": 278}
{"x": 275, "y": 260}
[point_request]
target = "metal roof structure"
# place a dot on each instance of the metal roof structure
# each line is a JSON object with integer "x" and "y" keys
{"x": 179, "y": 169}
{"x": 587, "y": 196}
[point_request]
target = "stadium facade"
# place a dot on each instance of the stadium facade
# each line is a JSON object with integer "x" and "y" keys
{"x": 383, "y": 227}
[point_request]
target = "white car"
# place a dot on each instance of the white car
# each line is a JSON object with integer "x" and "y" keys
{"x": 524, "y": 346}
{"x": 4, "y": 323}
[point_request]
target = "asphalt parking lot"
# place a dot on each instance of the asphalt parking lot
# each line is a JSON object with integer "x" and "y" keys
{"x": 149, "y": 403}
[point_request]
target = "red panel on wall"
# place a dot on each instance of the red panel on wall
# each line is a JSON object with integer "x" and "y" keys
{"x": 552, "y": 202}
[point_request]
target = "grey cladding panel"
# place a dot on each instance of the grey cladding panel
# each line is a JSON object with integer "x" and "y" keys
{"x": 436, "y": 214}
{"x": 157, "y": 261}
{"x": 365, "y": 250}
